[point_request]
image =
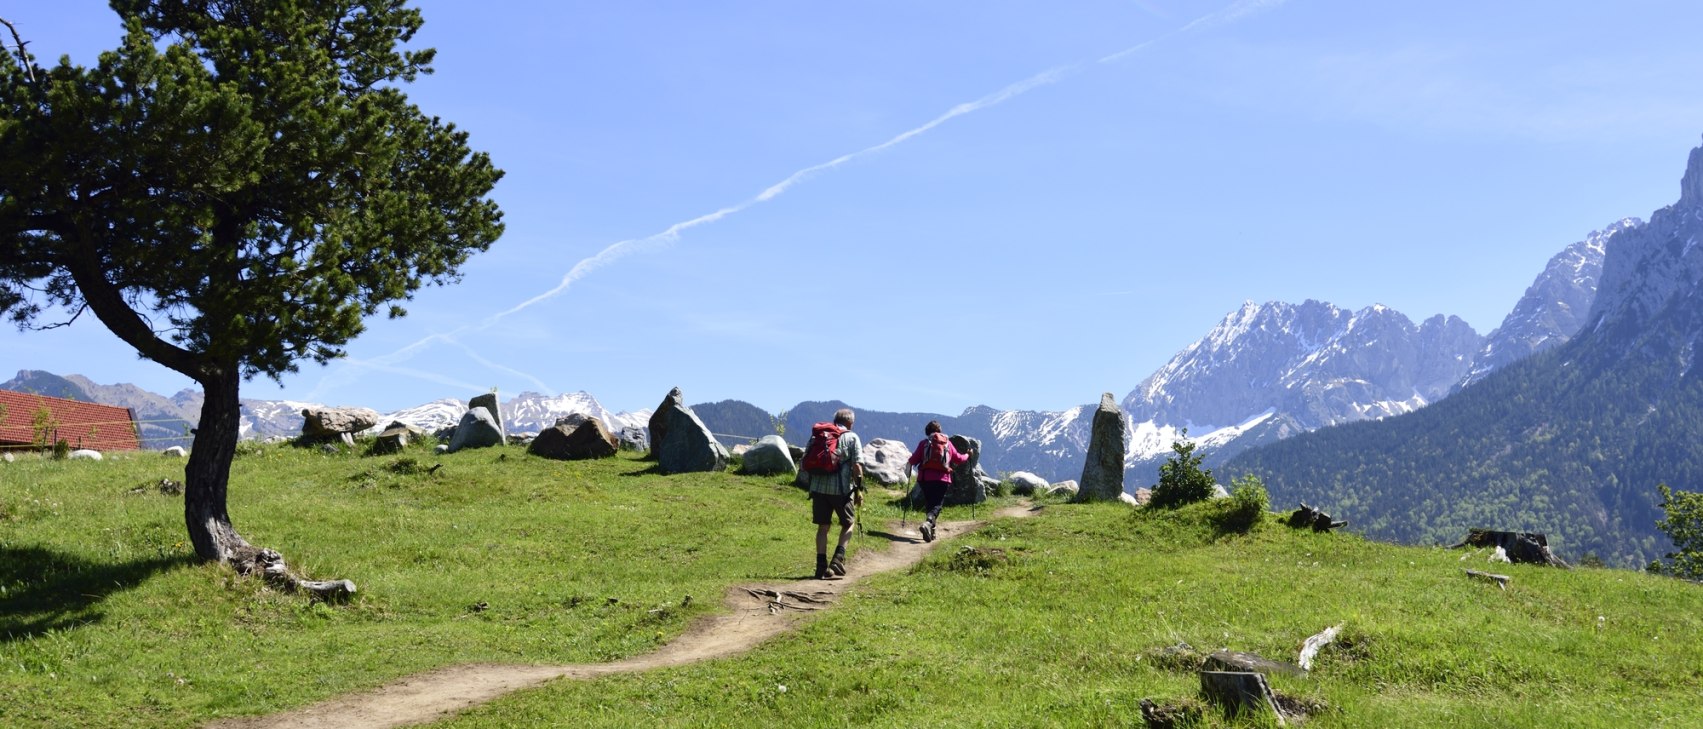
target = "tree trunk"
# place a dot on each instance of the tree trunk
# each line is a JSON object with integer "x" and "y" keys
{"x": 208, "y": 472}
{"x": 207, "y": 476}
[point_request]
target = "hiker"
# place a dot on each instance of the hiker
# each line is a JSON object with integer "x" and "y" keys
{"x": 933, "y": 461}
{"x": 835, "y": 475}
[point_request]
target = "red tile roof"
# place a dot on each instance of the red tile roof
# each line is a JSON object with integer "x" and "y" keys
{"x": 81, "y": 424}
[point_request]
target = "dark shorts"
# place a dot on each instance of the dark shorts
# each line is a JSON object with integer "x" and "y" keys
{"x": 823, "y": 507}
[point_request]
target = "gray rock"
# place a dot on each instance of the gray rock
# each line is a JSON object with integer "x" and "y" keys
{"x": 395, "y": 438}
{"x": 739, "y": 449}
{"x": 633, "y": 439}
{"x": 441, "y": 448}
{"x": 174, "y": 452}
{"x": 85, "y": 454}
{"x": 884, "y": 461}
{"x": 572, "y": 420}
{"x": 488, "y": 401}
{"x": 685, "y": 445}
{"x": 969, "y": 481}
{"x": 663, "y": 417}
{"x": 1024, "y": 483}
{"x": 1103, "y": 473}
{"x": 333, "y": 422}
{"x": 1219, "y": 492}
{"x": 1063, "y": 488}
{"x": 770, "y": 456}
{"x": 8, "y": 457}
{"x": 477, "y": 429}
{"x": 589, "y": 440}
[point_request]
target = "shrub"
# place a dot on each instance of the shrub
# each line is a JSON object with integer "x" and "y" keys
{"x": 1248, "y": 504}
{"x": 1181, "y": 480}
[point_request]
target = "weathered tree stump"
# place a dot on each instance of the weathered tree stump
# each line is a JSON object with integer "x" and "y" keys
{"x": 1318, "y": 521}
{"x": 1521, "y": 547}
{"x": 1239, "y": 692}
{"x": 269, "y": 564}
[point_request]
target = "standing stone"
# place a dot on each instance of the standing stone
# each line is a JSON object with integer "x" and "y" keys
{"x": 884, "y": 461}
{"x": 589, "y": 440}
{"x": 664, "y": 415}
{"x": 488, "y": 401}
{"x": 1103, "y": 473}
{"x": 769, "y": 457}
{"x": 967, "y": 478}
{"x": 685, "y": 444}
{"x": 395, "y": 438}
{"x": 477, "y": 429}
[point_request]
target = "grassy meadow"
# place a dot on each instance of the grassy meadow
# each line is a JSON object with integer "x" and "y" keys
{"x": 1055, "y": 620}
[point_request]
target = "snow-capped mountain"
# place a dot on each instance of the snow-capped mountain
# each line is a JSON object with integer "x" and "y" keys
{"x": 1555, "y": 306}
{"x": 530, "y": 412}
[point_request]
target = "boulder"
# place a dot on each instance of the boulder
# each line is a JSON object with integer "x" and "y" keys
{"x": 770, "y": 456}
{"x": 663, "y": 417}
{"x": 572, "y": 420}
{"x": 1024, "y": 483}
{"x": 633, "y": 439}
{"x": 739, "y": 449}
{"x": 589, "y": 440}
{"x": 477, "y": 429}
{"x": 8, "y": 457}
{"x": 685, "y": 444}
{"x": 1219, "y": 492}
{"x": 84, "y": 454}
{"x": 969, "y": 482}
{"x": 797, "y": 452}
{"x": 488, "y": 401}
{"x": 395, "y": 438}
{"x": 329, "y": 423}
{"x": 884, "y": 461}
{"x": 1103, "y": 471}
{"x": 1063, "y": 488}
{"x": 1128, "y": 498}
{"x": 174, "y": 452}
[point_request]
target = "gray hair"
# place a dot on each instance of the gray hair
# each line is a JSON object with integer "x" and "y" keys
{"x": 844, "y": 416}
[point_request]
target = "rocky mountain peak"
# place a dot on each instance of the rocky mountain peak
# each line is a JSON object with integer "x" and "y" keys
{"x": 1691, "y": 185}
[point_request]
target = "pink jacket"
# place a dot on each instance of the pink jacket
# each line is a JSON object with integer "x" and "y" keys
{"x": 933, "y": 471}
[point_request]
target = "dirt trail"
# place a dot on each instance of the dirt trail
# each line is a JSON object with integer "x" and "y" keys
{"x": 758, "y": 613}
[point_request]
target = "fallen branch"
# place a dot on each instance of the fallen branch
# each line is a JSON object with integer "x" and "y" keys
{"x": 1311, "y": 646}
{"x": 1500, "y": 580}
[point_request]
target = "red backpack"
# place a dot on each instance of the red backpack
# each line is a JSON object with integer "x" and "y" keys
{"x": 822, "y": 455}
{"x": 936, "y": 456}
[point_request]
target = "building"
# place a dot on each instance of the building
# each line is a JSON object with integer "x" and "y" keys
{"x": 26, "y": 418}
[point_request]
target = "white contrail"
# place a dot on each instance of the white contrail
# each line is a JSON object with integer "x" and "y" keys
{"x": 616, "y": 251}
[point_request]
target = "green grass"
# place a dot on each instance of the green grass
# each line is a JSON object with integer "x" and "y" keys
{"x": 1054, "y": 620}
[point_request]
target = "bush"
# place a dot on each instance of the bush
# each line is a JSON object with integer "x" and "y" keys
{"x": 1248, "y": 504}
{"x": 1181, "y": 480}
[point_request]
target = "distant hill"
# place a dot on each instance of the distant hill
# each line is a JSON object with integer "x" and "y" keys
{"x": 1571, "y": 442}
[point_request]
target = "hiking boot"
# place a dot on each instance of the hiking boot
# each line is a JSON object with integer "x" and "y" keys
{"x": 838, "y": 564}
{"x": 822, "y": 568}
{"x": 928, "y": 531}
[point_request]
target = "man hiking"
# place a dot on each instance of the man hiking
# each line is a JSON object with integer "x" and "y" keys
{"x": 933, "y": 460}
{"x": 831, "y": 461}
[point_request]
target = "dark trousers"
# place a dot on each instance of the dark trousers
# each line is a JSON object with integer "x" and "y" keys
{"x": 934, "y": 496}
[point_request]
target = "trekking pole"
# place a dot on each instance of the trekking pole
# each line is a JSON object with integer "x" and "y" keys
{"x": 907, "y": 512}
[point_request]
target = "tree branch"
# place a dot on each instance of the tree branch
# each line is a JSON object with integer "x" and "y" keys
{"x": 23, "y": 55}
{"x": 106, "y": 300}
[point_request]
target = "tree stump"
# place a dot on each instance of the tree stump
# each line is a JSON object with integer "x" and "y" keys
{"x": 1521, "y": 547}
{"x": 1239, "y": 692}
{"x": 1318, "y": 521}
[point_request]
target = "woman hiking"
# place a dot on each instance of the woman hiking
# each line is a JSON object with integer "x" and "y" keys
{"x": 933, "y": 460}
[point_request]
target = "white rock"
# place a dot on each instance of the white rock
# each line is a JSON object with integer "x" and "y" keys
{"x": 174, "y": 452}
{"x": 85, "y": 455}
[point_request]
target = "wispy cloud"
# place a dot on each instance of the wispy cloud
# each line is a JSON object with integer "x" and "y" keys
{"x": 671, "y": 235}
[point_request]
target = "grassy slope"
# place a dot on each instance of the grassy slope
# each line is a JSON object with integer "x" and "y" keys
{"x": 105, "y": 622}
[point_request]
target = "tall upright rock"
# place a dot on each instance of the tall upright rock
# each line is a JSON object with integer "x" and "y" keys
{"x": 1103, "y": 473}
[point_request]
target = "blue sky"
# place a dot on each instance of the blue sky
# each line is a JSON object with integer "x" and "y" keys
{"x": 929, "y": 206}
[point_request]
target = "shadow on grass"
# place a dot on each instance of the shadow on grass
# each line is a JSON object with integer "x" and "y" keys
{"x": 654, "y": 469}
{"x": 48, "y": 590}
